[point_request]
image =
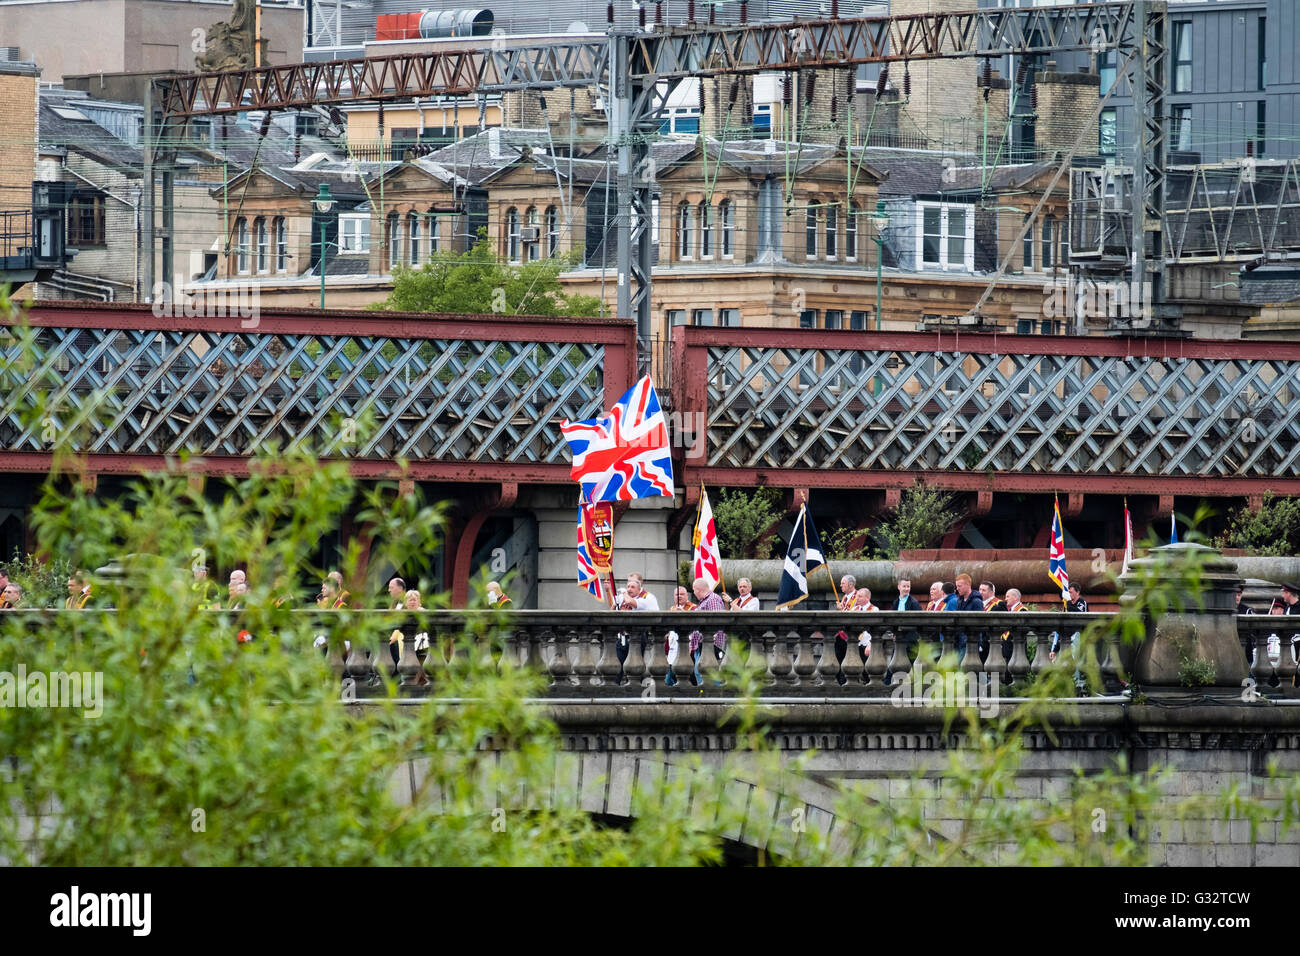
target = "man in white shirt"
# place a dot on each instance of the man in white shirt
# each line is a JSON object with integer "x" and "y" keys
{"x": 633, "y": 597}
{"x": 745, "y": 601}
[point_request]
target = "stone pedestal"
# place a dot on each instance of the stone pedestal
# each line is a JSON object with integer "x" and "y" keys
{"x": 640, "y": 544}
{"x": 1205, "y": 630}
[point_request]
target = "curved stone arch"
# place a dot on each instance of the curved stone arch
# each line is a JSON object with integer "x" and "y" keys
{"x": 603, "y": 783}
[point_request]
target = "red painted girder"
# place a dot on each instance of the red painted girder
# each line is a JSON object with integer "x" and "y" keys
{"x": 398, "y": 325}
{"x": 1217, "y": 487}
{"x": 984, "y": 343}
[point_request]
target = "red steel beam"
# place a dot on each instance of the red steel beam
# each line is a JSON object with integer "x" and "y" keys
{"x": 397, "y": 325}
{"x": 985, "y": 343}
{"x": 1208, "y": 487}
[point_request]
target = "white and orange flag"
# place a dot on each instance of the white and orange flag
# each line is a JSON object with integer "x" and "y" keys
{"x": 707, "y": 563}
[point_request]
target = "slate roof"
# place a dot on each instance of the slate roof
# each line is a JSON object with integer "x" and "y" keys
{"x": 88, "y": 138}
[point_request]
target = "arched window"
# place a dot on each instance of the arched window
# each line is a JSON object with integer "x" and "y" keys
{"x": 263, "y": 244}
{"x": 512, "y": 234}
{"x": 727, "y": 220}
{"x": 706, "y": 230}
{"x": 413, "y": 234}
{"x": 241, "y": 245}
{"x": 810, "y": 234}
{"x": 281, "y": 245}
{"x": 1049, "y": 242}
{"x": 435, "y": 227}
{"x": 534, "y": 240}
{"x": 685, "y": 226}
{"x": 832, "y": 230}
{"x": 851, "y": 233}
{"x": 552, "y": 230}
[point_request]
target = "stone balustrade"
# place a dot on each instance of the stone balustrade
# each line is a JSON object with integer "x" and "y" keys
{"x": 792, "y": 653}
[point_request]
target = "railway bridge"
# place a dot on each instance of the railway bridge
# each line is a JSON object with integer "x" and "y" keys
{"x": 469, "y": 407}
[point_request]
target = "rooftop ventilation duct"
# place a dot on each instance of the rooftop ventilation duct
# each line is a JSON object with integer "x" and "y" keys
{"x": 455, "y": 23}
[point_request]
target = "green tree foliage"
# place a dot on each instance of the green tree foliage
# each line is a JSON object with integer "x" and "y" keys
{"x": 475, "y": 281}
{"x": 923, "y": 516}
{"x": 1273, "y": 530}
{"x": 44, "y": 583}
{"x": 743, "y": 519}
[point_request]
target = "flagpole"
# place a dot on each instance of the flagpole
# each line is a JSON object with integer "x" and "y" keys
{"x": 722, "y": 578}
{"x": 1056, "y": 503}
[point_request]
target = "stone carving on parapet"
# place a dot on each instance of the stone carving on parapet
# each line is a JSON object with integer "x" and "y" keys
{"x": 231, "y": 45}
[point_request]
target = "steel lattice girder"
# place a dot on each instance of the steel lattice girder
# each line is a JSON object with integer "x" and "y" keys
{"x": 146, "y": 392}
{"x": 1014, "y": 411}
{"x": 661, "y": 54}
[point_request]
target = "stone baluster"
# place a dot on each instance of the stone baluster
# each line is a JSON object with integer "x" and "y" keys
{"x": 684, "y": 666}
{"x": 853, "y": 666}
{"x": 1286, "y": 663}
{"x": 805, "y": 665}
{"x": 710, "y": 666}
{"x": 607, "y": 666}
{"x": 358, "y": 662}
{"x": 1042, "y": 648}
{"x": 970, "y": 661}
{"x": 827, "y": 666}
{"x": 409, "y": 669}
{"x": 1112, "y": 668}
{"x": 899, "y": 662}
{"x": 779, "y": 660}
{"x": 636, "y": 667}
{"x": 878, "y": 661}
{"x": 1018, "y": 666}
{"x": 557, "y": 662}
{"x": 996, "y": 663}
{"x": 1261, "y": 667}
{"x": 334, "y": 656}
{"x": 584, "y": 668}
{"x": 756, "y": 663}
{"x": 654, "y": 660}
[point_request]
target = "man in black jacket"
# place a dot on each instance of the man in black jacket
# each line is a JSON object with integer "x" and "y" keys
{"x": 967, "y": 600}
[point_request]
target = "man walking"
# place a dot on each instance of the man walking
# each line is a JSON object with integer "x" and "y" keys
{"x": 967, "y": 600}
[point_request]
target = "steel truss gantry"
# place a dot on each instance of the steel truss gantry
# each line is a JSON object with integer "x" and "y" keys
{"x": 638, "y": 68}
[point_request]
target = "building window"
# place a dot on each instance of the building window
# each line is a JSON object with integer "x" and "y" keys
{"x": 702, "y": 317}
{"x": 834, "y": 318}
{"x": 947, "y": 237}
{"x": 851, "y": 233}
{"x": 685, "y": 226}
{"x": 1260, "y": 126}
{"x": 654, "y": 228}
{"x": 729, "y": 318}
{"x": 281, "y": 245}
{"x": 1261, "y": 42}
{"x": 810, "y": 237}
{"x": 1049, "y": 243}
{"x": 675, "y": 317}
{"x": 832, "y": 230}
{"x": 857, "y": 320}
{"x": 86, "y": 221}
{"x": 533, "y": 234}
{"x": 394, "y": 240}
{"x": 1183, "y": 57}
{"x": 1106, "y": 71}
{"x": 726, "y": 213}
{"x": 354, "y": 234}
{"x": 435, "y": 227}
{"x": 241, "y": 245}
{"x": 808, "y": 319}
{"x": 263, "y": 244}
{"x": 512, "y": 234}
{"x": 706, "y": 230}
{"x": 762, "y": 121}
{"x": 1182, "y": 131}
{"x": 553, "y": 229}
{"x": 413, "y": 237}
{"x": 1027, "y": 245}
{"x": 1107, "y": 131}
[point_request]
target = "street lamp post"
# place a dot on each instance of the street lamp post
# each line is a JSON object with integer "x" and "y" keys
{"x": 880, "y": 219}
{"x": 324, "y": 203}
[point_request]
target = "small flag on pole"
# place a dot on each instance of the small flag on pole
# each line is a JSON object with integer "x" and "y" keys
{"x": 1056, "y": 556}
{"x": 1128, "y": 540}
{"x": 707, "y": 563}
{"x": 1173, "y": 530}
{"x": 802, "y": 555}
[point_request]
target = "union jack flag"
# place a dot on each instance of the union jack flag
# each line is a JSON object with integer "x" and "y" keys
{"x": 623, "y": 455}
{"x": 588, "y": 576}
{"x": 1056, "y": 556}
